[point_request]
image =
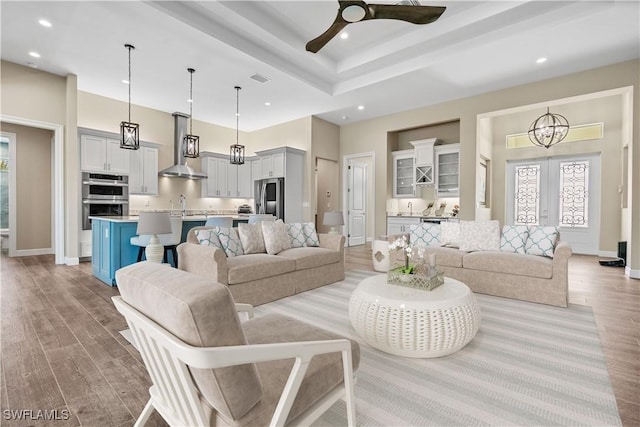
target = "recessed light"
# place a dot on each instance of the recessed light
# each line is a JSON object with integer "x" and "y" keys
{"x": 344, "y": 36}
{"x": 125, "y": 82}
{"x": 267, "y": 104}
{"x": 190, "y": 100}
{"x": 32, "y": 65}
{"x": 345, "y": 117}
{"x": 541, "y": 60}
{"x": 34, "y": 54}
{"x": 44, "y": 23}
{"x": 360, "y": 107}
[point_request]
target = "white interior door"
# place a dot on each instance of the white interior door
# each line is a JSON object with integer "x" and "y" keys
{"x": 558, "y": 191}
{"x": 357, "y": 203}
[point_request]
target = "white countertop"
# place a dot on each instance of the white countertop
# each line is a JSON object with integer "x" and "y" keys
{"x": 134, "y": 218}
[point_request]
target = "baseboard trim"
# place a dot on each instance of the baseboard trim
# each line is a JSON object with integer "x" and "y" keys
{"x": 634, "y": 274}
{"x": 608, "y": 254}
{"x": 72, "y": 261}
{"x": 34, "y": 252}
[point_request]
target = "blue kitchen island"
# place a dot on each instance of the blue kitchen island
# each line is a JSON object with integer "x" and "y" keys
{"x": 111, "y": 246}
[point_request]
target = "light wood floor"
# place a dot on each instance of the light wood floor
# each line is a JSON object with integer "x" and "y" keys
{"x": 61, "y": 349}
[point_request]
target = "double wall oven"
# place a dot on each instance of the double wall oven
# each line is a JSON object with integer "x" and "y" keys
{"x": 104, "y": 195}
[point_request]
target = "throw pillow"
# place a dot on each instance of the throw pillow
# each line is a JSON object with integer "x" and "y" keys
{"x": 479, "y": 236}
{"x": 450, "y": 234}
{"x": 230, "y": 241}
{"x": 425, "y": 234}
{"x": 251, "y": 238}
{"x": 275, "y": 235}
{"x": 208, "y": 237}
{"x": 542, "y": 240}
{"x": 514, "y": 238}
{"x": 296, "y": 235}
{"x": 310, "y": 234}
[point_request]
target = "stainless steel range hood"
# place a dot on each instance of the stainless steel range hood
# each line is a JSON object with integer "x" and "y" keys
{"x": 180, "y": 169}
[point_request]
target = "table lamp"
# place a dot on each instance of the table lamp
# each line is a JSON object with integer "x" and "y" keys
{"x": 333, "y": 219}
{"x": 154, "y": 223}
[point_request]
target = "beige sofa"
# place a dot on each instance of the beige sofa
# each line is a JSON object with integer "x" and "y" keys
{"x": 260, "y": 278}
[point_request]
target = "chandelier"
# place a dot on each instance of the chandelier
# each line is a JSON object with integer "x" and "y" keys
{"x": 191, "y": 142}
{"x": 548, "y": 129}
{"x": 236, "y": 153}
{"x": 129, "y": 132}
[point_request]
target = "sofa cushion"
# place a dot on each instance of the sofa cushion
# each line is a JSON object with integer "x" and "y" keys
{"x": 509, "y": 263}
{"x": 479, "y": 236}
{"x": 425, "y": 234}
{"x": 310, "y": 257}
{"x": 201, "y": 313}
{"x": 323, "y": 374}
{"x": 542, "y": 241}
{"x": 230, "y": 241}
{"x": 514, "y": 238}
{"x": 450, "y": 234}
{"x": 251, "y": 238}
{"x": 251, "y": 267}
{"x": 310, "y": 234}
{"x": 295, "y": 230}
{"x": 208, "y": 237}
{"x": 275, "y": 235}
{"x": 449, "y": 257}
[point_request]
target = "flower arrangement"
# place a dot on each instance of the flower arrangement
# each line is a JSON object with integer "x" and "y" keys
{"x": 408, "y": 252}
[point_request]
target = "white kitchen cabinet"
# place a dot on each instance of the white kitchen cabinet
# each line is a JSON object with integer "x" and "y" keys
{"x": 423, "y": 155}
{"x": 143, "y": 178}
{"x": 245, "y": 181}
{"x": 399, "y": 225}
{"x": 447, "y": 161}
{"x": 403, "y": 174}
{"x": 225, "y": 180}
{"x": 103, "y": 154}
{"x": 272, "y": 165}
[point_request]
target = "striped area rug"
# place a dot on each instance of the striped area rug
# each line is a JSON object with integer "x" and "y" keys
{"x": 529, "y": 365}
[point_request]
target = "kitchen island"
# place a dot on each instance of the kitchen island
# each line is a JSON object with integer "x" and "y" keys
{"x": 111, "y": 246}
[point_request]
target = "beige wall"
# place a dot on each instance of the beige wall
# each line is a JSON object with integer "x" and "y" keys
{"x": 373, "y": 135}
{"x": 34, "y": 183}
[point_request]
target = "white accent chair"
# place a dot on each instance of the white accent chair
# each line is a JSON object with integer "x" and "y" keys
{"x": 169, "y": 241}
{"x": 253, "y": 218}
{"x": 213, "y": 369}
{"x": 220, "y": 221}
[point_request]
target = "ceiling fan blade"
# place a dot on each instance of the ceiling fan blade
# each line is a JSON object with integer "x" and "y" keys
{"x": 413, "y": 14}
{"x": 318, "y": 43}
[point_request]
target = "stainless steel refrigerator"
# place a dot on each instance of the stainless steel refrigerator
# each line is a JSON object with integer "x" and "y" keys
{"x": 269, "y": 197}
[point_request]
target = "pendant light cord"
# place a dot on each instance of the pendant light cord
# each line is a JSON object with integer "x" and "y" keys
{"x": 128, "y": 46}
{"x": 191, "y": 71}
{"x": 237, "y": 112}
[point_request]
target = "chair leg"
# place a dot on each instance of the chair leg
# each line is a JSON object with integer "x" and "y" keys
{"x": 174, "y": 251}
{"x": 144, "y": 415}
{"x": 164, "y": 255}
{"x": 140, "y": 252}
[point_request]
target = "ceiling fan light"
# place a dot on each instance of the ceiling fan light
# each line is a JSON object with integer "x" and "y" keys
{"x": 353, "y": 13}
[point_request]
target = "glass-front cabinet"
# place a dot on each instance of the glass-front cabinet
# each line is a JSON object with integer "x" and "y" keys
{"x": 447, "y": 161}
{"x": 403, "y": 174}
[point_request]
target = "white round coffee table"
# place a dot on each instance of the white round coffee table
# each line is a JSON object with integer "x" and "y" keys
{"x": 411, "y": 322}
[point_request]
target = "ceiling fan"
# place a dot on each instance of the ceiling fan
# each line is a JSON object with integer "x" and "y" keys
{"x": 352, "y": 11}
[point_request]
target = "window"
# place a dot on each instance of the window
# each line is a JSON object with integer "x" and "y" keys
{"x": 527, "y": 195}
{"x": 574, "y": 194}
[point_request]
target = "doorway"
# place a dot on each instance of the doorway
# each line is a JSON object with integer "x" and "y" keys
{"x": 359, "y": 197}
{"x": 327, "y": 187}
{"x": 558, "y": 191}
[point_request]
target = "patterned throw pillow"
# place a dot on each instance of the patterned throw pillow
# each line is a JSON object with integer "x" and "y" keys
{"x": 425, "y": 234}
{"x": 296, "y": 235}
{"x": 450, "y": 234}
{"x": 251, "y": 238}
{"x": 310, "y": 234}
{"x": 230, "y": 241}
{"x": 542, "y": 240}
{"x": 479, "y": 236}
{"x": 514, "y": 238}
{"x": 275, "y": 235}
{"x": 208, "y": 237}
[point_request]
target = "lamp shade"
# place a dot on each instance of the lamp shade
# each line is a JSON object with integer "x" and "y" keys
{"x": 333, "y": 218}
{"x": 154, "y": 223}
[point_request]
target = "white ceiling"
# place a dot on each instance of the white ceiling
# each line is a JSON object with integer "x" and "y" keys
{"x": 386, "y": 66}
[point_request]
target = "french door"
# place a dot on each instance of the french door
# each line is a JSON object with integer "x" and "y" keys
{"x": 558, "y": 191}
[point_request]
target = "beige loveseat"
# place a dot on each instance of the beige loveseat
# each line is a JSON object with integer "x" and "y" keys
{"x": 521, "y": 276}
{"x": 260, "y": 278}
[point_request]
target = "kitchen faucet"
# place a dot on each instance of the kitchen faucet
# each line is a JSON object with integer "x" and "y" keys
{"x": 183, "y": 204}
{"x": 410, "y": 206}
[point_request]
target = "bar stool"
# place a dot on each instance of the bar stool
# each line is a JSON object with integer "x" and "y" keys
{"x": 253, "y": 218}
{"x": 220, "y": 221}
{"x": 169, "y": 241}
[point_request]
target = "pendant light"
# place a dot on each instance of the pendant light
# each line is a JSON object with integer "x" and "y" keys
{"x": 548, "y": 129}
{"x": 191, "y": 142}
{"x": 236, "y": 153}
{"x": 129, "y": 132}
